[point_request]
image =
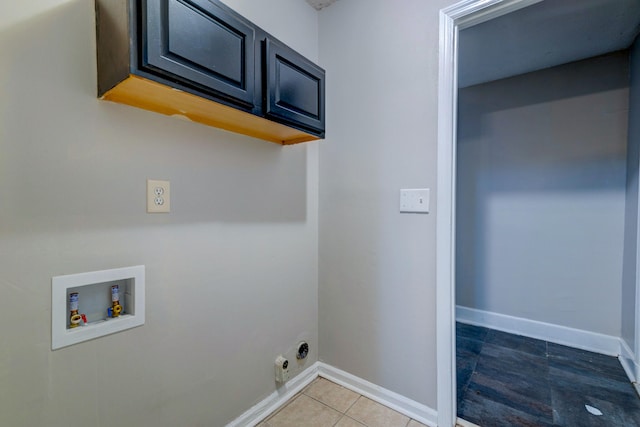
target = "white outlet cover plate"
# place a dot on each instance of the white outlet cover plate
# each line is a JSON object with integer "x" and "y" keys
{"x": 158, "y": 196}
{"x": 414, "y": 200}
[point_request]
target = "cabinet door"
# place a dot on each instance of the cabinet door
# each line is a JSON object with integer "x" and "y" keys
{"x": 202, "y": 44}
{"x": 294, "y": 88}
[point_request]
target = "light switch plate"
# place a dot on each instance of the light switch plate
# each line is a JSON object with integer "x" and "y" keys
{"x": 414, "y": 200}
{"x": 158, "y": 196}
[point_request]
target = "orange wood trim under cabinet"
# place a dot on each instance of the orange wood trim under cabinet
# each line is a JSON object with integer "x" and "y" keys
{"x": 149, "y": 95}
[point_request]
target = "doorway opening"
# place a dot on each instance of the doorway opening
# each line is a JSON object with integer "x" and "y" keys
{"x": 454, "y": 19}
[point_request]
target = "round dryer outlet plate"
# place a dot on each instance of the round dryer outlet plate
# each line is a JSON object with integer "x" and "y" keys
{"x": 303, "y": 350}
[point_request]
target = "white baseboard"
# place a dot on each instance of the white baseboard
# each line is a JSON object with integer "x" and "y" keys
{"x": 275, "y": 400}
{"x": 627, "y": 359}
{"x": 578, "y": 338}
{"x": 395, "y": 401}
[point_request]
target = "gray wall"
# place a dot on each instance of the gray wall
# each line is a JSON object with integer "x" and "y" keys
{"x": 541, "y": 194}
{"x": 231, "y": 272}
{"x": 629, "y": 272}
{"x": 377, "y": 266}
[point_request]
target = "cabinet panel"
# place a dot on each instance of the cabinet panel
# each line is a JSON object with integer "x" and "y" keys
{"x": 294, "y": 88}
{"x": 200, "y": 60}
{"x": 197, "y": 41}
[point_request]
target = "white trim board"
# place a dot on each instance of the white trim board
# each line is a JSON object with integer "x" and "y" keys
{"x": 275, "y": 400}
{"x": 627, "y": 359}
{"x": 578, "y": 338}
{"x": 388, "y": 398}
{"x": 463, "y": 14}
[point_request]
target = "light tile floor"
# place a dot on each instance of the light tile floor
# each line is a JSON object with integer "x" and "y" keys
{"x": 326, "y": 404}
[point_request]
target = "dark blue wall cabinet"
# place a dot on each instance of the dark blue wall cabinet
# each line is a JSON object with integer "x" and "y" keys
{"x": 294, "y": 88}
{"x": 201, "y": 60}
{"x": 200, "y": 43}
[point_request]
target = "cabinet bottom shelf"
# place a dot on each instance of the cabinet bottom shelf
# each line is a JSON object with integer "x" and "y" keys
{"x": 149, "y": 95}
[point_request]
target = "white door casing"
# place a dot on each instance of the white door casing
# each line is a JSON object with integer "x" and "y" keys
{"x": 461, "y": 15}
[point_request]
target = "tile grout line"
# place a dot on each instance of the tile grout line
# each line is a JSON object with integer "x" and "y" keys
{"x": 552, "y": 403}
{"x": 354, "y": 402}
{"x": 342, "y": 414}
{"x": 331, "y": 407}
{"x": 287, "y": 403}
{"x": 324, "y": 404}
{"x": 352, "y": 419}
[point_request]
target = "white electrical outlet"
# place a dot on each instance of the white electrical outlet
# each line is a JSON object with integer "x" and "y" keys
{"x": 158, "y": 196}
{"x": 282, "y": 369}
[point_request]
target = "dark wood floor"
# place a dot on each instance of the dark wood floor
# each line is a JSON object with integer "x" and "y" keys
{"x": 510, "y": 380}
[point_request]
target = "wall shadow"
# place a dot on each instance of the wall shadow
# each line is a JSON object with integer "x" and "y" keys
{"x": 72, "y": 161}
